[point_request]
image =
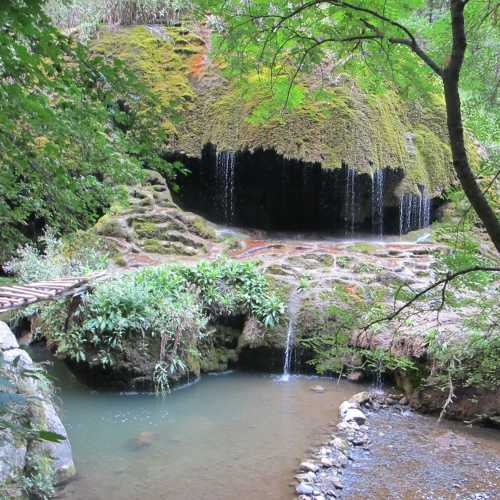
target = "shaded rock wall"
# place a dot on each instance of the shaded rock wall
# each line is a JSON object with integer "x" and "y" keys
{"x": 17, "y": 453}
{"x": 262, "y": 189}
{"x": 340, "y": 125}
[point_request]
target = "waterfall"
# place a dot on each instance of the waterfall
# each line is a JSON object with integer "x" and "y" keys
{"x": 225, "y": 167}
{"x": 378, "y": 202}
{"x": 350, "y": 201}
{"x": 293, "y": 309}
{"x": 414, "y": 212}
{"x": 405, "y": 205}
{"x": 426, "y": 211}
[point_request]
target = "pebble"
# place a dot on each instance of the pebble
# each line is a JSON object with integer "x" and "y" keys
{"x": 308, "y": 466}
{"x": 304, "y": 489}
{"x": 318, "y": 388}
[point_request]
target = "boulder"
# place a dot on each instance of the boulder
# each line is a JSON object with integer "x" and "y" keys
{"x": 346, "y": 406}
{"x": 18, "y": 357}
{"x": 318, "y": 388}
{"x": 62, "y": 458}
{"x": 355, "y": 415}
{"x": 7, "y": 338}
{"x": 361, "y": 398}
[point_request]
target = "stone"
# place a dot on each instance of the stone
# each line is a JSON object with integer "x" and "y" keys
{"x": 339, "y": 443}
{"x": 346, "y": 406}
{"x": 356, "y": 376}
{"x": 62, "y": 458}
{"x": 355, "y": 415}
{"x": 318, "y": 388}
{"x": 361, "y": 398}
{"x": 12, "y": 456}
{"x": 403, "y": 401}
{"x": 327, "y": 462}
{"x": 337, "y": 483}
{"x": 7, "y": 338}
{"x": 23, "y": 359}
{"x": 304, "y": 489}
{"x": 308, "y": 466}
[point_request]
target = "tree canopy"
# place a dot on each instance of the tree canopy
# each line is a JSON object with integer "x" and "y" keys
{"x": 72, "y": 127}
{"x": 418, "y": 46}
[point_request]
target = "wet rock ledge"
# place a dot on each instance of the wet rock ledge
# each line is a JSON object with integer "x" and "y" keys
{"x": 320, "y": 476}
{"x": 28, "y": 466}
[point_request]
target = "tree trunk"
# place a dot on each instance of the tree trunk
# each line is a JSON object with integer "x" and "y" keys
{"x": 451, "y": 77}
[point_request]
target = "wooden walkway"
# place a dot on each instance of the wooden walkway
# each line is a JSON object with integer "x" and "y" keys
{"x": 16, "y": 296}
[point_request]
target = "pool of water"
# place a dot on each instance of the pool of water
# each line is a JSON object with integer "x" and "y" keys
{"x": 232, "y": 436}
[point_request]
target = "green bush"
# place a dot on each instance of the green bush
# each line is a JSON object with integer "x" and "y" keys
{"x": 77, "y": 255}
{"x": 171, "y": 302}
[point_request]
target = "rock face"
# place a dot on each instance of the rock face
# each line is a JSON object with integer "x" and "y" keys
{"x": 347, "y": 126}
{"x": 151, "y": 223}
{"x": 20, "y": 455}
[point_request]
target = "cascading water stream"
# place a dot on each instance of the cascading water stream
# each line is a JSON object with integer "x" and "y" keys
{"x": 293, "y": 309}
{"x": 378, "y": 202}
{"x": 350, "y": 202}
{"x": 226, "y": 162}
{"x": 414, "y": 212}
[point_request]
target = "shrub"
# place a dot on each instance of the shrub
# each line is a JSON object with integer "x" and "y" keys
{"x": 171, "y": 302}
{"x": 76, "y": 256}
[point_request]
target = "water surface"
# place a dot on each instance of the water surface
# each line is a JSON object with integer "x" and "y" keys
{"x": 233, "y": 436}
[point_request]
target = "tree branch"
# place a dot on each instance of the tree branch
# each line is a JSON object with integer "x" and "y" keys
{"x": 449, "y": 277}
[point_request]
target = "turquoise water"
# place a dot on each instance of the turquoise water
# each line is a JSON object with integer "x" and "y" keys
{"x": 232, "y": 436}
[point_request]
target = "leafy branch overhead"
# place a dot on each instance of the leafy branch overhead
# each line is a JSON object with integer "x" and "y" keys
{"x": 421, "y": 48}
{"x": 72, "y": 127}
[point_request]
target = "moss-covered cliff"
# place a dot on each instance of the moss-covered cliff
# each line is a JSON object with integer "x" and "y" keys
{"x": 333, "y": 125}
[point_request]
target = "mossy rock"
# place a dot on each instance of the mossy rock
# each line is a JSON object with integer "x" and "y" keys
{"x": 112, "y": 226}
{"x": 341, "y": 124}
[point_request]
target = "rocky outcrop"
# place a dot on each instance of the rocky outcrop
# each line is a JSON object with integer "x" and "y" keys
{"x": 151, "y": 223}
{"x": 343, "y": 125}
{"x": 24, "y": 459}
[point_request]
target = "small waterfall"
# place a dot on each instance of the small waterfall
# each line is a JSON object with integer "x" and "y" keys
{"x": 226, "y": 162}
{"x": 426, "y": 211}
{"x": 378, "y": 202}
{"x": 405, "y": 206}
{"x": 350, "y": 202}
{"x": 293, "y": 309}
{"x": 414, "y": 212}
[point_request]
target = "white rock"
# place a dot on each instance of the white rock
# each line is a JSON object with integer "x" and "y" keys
{"x": 24, "y": 362}
{"x": 355, "y": 415}
{"x": 318, "y": 388}
{"x": 308, "y": 467}
{"x": 62, "y": 459}
{"x": 304, "y": 489}
{"x": 345, "y": 406}
{"x": 7, "y": 338}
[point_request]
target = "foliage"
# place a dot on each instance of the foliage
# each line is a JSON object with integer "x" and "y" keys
{"x": 76, "y": 255}
{"x": 473, "y": 361}
{"x": 40, "y": 476}
{"x": 172, "y": 303}
{"x": 72, "y": 127}
{"x": 85, "y": 16}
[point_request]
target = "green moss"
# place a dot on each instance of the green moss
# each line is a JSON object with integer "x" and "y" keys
{"x": 147, "y": 230}
{"x": 336, "y": 125}
{"x": 363, "y": 247}
{"x": 163, "y": 62}
{"x": 201, "y": 228}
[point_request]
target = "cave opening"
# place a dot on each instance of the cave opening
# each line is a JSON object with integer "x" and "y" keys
{"x": 263, "y": 190}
